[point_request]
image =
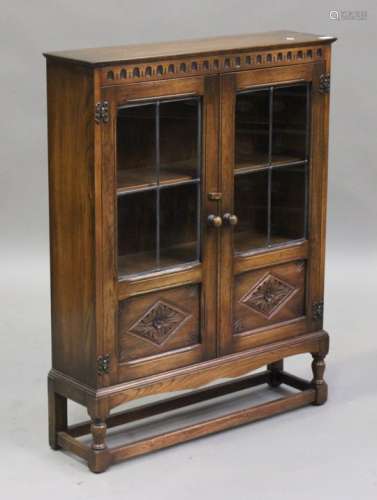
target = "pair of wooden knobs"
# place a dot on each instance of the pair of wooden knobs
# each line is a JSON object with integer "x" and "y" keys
{"x": 217, "y": 221}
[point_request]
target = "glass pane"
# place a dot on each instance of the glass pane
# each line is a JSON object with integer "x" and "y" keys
{"x": 252, "y": 128}
{"x": 137, "y": 232}
{"x": 289, "y": 123}
{"x": 288, "y": 201}
{"x": 251, "y": 207}
{"x": 179, "y": 140}
{"x": 136, "y": 147}
{"x": 179, "y": 221}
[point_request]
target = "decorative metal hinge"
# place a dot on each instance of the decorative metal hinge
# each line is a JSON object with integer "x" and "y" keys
{"x": 102, "y": 112}
{"x": 103, "y": 364}
{"x": 317, "y": 311}
{"x": 324, "y": 83}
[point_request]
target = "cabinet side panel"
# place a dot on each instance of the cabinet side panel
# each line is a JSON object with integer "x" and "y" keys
{"x": 72, "y": 227}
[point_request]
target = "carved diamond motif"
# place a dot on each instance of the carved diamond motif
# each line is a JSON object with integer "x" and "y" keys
{"x": 159, "y": 322}
{"x": 268, "y": 295}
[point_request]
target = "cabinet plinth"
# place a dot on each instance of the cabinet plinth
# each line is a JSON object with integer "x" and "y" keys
{"x": 187, "y": 190}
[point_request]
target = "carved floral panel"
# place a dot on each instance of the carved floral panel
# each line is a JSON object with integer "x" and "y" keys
{"x": 159, "y": 323}
{"x": 268, "y": 295}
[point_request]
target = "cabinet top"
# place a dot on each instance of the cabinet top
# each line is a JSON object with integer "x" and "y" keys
{"x": 151, "y": 51}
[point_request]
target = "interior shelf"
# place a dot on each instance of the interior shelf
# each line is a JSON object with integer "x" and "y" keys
{"x": 137, "y": 179}
{"x": 132, "y": 264}
{"x": 259, "y": 162}
{"x": 137, "y": 263}
{"x": 249, "y": 241}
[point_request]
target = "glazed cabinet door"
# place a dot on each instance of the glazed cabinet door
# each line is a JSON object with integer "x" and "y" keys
{"x": 272, "y": 142}
{"x": 159, "y": 164}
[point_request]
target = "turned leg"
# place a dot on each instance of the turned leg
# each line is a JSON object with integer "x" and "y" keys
{"x": 57, "y": 415}
{"x": 275, "y": 370}
{"x": 318, "y": 367}
{"x": 99, "y": 459}
{"x": 98, "y": 430}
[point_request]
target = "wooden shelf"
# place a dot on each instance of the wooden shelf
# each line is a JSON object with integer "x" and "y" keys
{"x": 248, "y": 241}
{"x": 137, "y": 263}
{"x": 138, "y": 179}
{"x": 260, "y": 163}
{"x": 178, "y": 255}
{"x": 284, "y": 159}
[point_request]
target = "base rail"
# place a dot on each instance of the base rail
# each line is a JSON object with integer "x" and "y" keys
{"x": 99, "y": 459}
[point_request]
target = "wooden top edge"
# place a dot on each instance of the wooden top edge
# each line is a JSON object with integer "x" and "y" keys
{"x": 151, "y": 51}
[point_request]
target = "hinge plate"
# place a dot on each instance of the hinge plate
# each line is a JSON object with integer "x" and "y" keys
{"x": 102, "y": 112}
{"x": 324, "y": 83}
{"x": 317, "y": 311}
{"x": 103, "y": 364}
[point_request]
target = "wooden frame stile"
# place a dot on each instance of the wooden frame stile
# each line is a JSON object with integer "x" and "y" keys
{"x": 85, "y": 91}
{"x": 318, "y": 193}
{"x": 105, "y": 164}
{"x": 228, "y": 88}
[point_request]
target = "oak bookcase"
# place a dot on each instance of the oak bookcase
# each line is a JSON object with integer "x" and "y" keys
{"x": 187, "y": 222}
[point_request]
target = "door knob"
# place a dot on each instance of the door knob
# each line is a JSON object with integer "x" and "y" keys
{"x": 230, "y": 219}
{"x": 215, "y": 220}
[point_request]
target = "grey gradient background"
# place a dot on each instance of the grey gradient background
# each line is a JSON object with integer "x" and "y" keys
{"x": 327, "y": 452}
